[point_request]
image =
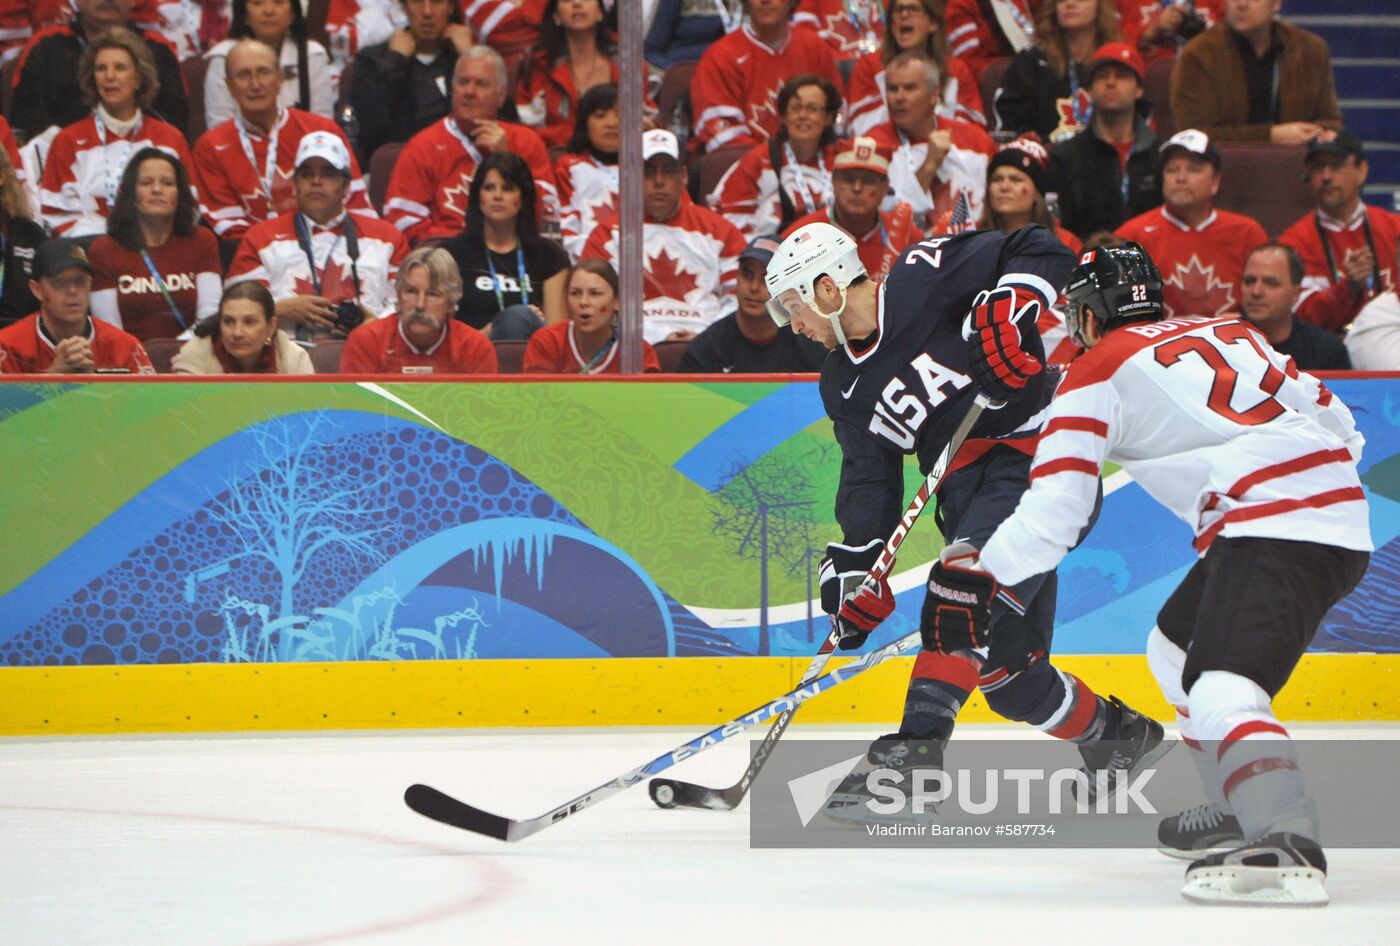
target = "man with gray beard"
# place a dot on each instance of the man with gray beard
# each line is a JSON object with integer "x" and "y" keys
{"x": 422, "y": 337}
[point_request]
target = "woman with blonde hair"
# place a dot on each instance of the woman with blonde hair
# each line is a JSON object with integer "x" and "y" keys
{"x": 1046, "y": 89}
{"x": 85, "y": 163}
{"x": 20, "y": 236}
{"x": 242, "y": 338}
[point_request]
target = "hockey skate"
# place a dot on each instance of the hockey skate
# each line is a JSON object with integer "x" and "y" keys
{"x": 905, "y": 755}
{"x": 1285, "y": 870}
{"x": 1199, "y": 832}
{"x": 1110, "y": 763}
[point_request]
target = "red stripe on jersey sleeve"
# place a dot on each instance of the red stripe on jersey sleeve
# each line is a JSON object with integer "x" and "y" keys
{"x": 1065, "y": 465}
{"x": 1086, "y": 425}
{"x": 1330, "y": 498}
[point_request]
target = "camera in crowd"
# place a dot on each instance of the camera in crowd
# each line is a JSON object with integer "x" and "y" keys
{"x": 1192, "y": 23}
{"x": 348, "y": 315}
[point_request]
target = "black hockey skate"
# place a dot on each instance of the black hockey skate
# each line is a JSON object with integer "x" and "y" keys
{"x": 904, "y": 754}
{"x": 1110, "y": 763}
{"x": 1284, "y": 870}
{"x": 1199, "y": 832}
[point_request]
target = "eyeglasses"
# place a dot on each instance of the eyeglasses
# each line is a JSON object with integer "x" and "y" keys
{"x": 807, "y": 108}
{"x": 911, "y": 9}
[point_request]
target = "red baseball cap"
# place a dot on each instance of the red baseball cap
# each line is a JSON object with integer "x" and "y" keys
{"x": 1121, "y": 54}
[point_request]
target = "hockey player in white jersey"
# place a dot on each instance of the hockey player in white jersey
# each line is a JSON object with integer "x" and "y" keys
{"x": 1254, "y": 456}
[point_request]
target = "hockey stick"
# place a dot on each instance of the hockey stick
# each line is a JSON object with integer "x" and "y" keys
{"x": 439, "y": 806}
{"x": 670, "y": 793}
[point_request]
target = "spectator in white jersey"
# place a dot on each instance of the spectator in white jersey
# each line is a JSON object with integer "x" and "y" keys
{"x": 1374, "y": 338}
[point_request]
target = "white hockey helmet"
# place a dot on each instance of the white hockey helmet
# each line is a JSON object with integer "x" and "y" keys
{"x": 813, "y": 251}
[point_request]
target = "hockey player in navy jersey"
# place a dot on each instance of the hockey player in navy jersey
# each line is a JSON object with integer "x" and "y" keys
{"x": 904, "y": 376}
{"x": 1260, "y": 460}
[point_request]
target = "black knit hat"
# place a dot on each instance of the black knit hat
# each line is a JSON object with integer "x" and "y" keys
{"x": 1026, "y": 155}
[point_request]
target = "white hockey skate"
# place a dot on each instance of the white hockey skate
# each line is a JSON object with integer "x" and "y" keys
{"x": 1280, "y": 870}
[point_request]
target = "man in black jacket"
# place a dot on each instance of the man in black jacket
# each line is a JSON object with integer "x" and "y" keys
{"x": 1108, "y": 172}
{"x": 47, "y": 92}
{"x": 1269, "y": 291}
{"x": 400, "y": 87}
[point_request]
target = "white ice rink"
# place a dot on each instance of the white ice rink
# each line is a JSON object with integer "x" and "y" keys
{"x": 254, "y": 841}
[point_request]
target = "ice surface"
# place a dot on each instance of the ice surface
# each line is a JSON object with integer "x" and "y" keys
{"x": 252, "y": 841}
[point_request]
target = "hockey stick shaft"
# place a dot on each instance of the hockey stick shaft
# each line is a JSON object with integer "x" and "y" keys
{"x": 441, "y": 807}
{"x": 689, "y": 795}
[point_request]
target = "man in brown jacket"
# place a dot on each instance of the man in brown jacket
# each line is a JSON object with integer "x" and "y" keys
{"x": 1253, "y": 77}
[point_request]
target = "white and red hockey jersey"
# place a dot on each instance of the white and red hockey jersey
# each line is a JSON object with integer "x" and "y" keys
{"x": 747, "y": 195}
{"x": 734, "y": 91}
{"x": 961, "y": 97}
{"x": 272, "y": 255}
{"x": 851, "y": 27}
{"x": 953, "y": 203}
{"x": 1328, "y": 300}
{"x": 1185, "y": 407}
{"x": 980, "y": 31}
{"x": 237, "y": 185}
{"x": 508, "y": 27}
{"x": 588, "y": 190}
{"x": 691, "y": 268}
{"x": 84, "y": 168}
{"x": 427, "y": 195}
{"x": 1201, "y": 266}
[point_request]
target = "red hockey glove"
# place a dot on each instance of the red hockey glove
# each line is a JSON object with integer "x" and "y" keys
{"x": 998, "y": 363}
{"x": 857, "y": 608}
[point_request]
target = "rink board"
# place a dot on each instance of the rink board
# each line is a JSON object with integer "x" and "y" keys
{"x": 213, "y": 555}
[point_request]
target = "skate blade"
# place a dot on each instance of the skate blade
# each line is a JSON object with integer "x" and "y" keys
{"x": 1257, "y": 886}
{"x": 1182, "y": 854}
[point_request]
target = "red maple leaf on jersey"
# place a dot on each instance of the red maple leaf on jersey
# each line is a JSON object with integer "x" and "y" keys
{"x": 665, "y": 279}
{"x": 336, "y": 283}
{"x": 759, "y": 113}
{"x": 607, "y": 209}
{"x": 455, "y": 198}
{"x": 1193, "y": 290}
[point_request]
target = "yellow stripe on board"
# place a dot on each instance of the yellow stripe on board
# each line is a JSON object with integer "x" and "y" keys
{"x": 613, "y": 692}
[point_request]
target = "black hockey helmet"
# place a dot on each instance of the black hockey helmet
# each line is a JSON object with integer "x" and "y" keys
{"x": 1118, "y": 284}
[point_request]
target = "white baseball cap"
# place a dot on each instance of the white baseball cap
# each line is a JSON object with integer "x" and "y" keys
{"x": 326, "y": 145}
{"x": 659, "y": 141}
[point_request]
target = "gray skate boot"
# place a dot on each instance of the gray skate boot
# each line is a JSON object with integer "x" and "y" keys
{"x": 1199, "y": 832}
{"x": 900, "y": 752}
{"x": 1138, "y": 745}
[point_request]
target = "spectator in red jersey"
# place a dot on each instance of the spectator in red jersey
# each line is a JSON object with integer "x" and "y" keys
{"x": 1046, "y": 89}
{"x": 47, "y": 87}
{"x": 983, "y": 31}
{"x": 20, "y": 236}
{"x": 282, "y": 26}
{"x": 242, "y": 337}
{"x": 1271, "y": 284}
{"x": 585, "y": 342}
{"x": 422, "y": 337}
{"x": 860, "y": 178}
{"x": 354, "y": 25}
{"x": 427, "y": 193}
{"x": 513, "y": 278}
{"x": 62, "y": 338}
{"x": 748, "y": 341}
{"x": 1108, "y": 173}
{"x": 790, "y": 175}
{"x": 576, "y": 52}
{"x": 938, "y": 165}
{"x": 735, "y": 88}
{"x": 852, "y": 28}
{"x": 587, "y": 171}
{"x": 1159, "y": 28}
{"x": 690, "y": 253}
{"x": 1345, "y": 244}
{"x": 86, "y": 161}
{"x": 156, "y": 271}
{"x": 1199, "y": 249}
{"x": 1017, "y": 177}
{"x": 402, "y": 86}
{"x": 328, "y": 269}
{"x": 1254, "y": 77}
{"x": 243, "y": 167}
{"x": 912, "y": 26}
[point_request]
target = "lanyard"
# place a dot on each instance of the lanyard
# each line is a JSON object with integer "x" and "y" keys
{"x": 304, "y": 236}
{"x": 1332, "y": 260}
{"x": 520, "y": 271}
{"x": 114, "y": 180}
{"x": 731, "y": 16}
{"x": 599, "y": 355}
{"x": 1080, "y": 107}
{"x": 155, "y": 274}
{"x": 800, "y": 175}
{"x": 269, "y": 163}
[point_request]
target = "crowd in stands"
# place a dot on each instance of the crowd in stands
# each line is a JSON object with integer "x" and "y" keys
{"x": 191, "y": 177}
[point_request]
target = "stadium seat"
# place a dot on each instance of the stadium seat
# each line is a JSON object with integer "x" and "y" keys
{"x": 325, "y": 355}
{"x": 193, "y": 70}
{"x": 675, "y": 93}
{"x": 669, "y": 354}
{"x": 510, "y": 352}
{"x": 381, "y": 166}
{"x": 7, "y": 84}
{"x": 1265, "y": 182}
{"x": 162, "y": 351}
{"x": 991, "y": 81}
{"x": 712, "y": 168}
{"x": 1157, "y": 89}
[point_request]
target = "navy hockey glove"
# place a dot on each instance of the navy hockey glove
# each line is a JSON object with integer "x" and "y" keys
{"x": 957, "y": 611}
{"x": 998, "y": 363}
{"x": 858, "y": 608}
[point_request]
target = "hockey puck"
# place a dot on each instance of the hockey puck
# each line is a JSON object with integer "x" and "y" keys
{"x": 663, "y": 794}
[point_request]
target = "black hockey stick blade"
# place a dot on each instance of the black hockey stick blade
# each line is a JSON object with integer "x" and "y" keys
{"x": 669, "y": 793}
{"x": 431, "y": 803}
